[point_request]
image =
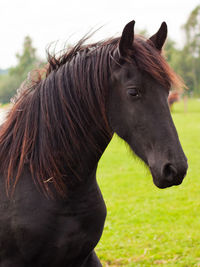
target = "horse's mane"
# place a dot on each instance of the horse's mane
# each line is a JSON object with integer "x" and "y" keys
{"x": 48, "y": 124}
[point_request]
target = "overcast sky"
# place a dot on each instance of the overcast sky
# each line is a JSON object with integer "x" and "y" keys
{"x": 46, "y": 21}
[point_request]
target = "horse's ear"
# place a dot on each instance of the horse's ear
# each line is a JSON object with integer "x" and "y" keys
{"x": 159, "y": 38}
{"x": 126, "y": 41}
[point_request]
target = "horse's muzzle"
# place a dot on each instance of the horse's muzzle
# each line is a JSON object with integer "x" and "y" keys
{"x": 169, "y": 174}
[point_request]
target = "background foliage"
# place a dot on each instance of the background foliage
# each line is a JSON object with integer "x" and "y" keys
{"x": 11, "y": 79}
{"x": 186, "y": 61}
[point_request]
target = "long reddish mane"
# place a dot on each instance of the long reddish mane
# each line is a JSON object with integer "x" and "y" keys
{"x": 48, "y": 124}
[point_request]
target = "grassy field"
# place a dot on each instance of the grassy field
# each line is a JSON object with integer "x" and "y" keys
{"x": 147, "y": 226}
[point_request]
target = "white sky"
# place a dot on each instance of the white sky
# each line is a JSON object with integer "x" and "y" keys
{"x": 46, "y": 21}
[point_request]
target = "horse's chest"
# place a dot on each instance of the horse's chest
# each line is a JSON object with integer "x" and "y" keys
{"x": 78, "y": 235}
{"x": 57, "y": 235}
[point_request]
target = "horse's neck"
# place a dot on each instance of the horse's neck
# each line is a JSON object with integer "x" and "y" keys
{"x": 91, "y": 158}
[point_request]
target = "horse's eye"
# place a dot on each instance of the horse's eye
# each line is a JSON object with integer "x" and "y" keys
{"x": 134, "y": 92}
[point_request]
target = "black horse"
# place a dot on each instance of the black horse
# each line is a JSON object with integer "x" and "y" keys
{"x": 51, "y": 209}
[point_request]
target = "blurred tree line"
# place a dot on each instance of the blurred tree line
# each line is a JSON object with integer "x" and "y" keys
{"x": 185, "y": 61}
{"x": 26, "y": 61}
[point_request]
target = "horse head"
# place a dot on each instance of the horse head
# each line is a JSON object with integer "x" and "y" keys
{"x": 138, "y": 109}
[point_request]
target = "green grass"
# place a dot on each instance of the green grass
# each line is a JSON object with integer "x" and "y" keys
{"x": 147, "y": 226}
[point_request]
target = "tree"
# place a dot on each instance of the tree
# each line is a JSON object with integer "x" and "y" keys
{"x": 192, "y": 32}
{"x": 27, "y": 61}
{"x": 181, "y": 62}
{"x": 191, "y": 50}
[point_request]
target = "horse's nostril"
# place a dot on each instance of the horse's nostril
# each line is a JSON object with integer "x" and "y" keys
{"x": 169, "y": 172}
